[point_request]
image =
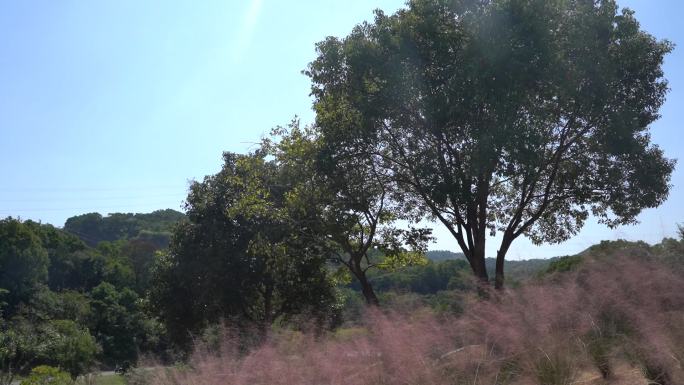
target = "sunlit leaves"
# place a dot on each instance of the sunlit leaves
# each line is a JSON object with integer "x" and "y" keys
{"x": 520, "y": 117}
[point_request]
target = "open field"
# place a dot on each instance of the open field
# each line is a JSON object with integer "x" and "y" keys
{"x": 111, "y": 379}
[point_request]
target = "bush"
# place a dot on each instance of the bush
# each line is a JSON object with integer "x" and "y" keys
{"x": 71, "y": 347}
{"x": 564, "y": 264}
{"x": 47, "y": 375}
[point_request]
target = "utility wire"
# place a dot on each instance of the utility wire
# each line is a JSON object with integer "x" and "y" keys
{"x": 119, "y": 188}
{"x": 92, "y": 209}
{"x": 52, "y": 200}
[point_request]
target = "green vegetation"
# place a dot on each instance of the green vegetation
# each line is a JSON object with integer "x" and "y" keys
{"x": 237, "y": 256}
{"x": 511, "y": 117}
{"x": 70, "y": 306}
{"x": 154, "y": 227}
{"x": 517, "y": 118}
{"x": 566, "y": 263}
{"x": 47, "y": 375}
{"x": 442, "y": 255}
{"x": 114, "y": 379}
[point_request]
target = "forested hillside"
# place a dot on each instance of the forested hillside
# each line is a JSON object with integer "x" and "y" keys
{"x": 154, "y": 227}
{"x": 66, "y": 304}
{"x": 516, "y": 270}
{"x": 443, "y": 255}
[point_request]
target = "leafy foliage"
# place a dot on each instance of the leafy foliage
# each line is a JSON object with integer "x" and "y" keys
{"x": 237, "y": 256}
{"x": 519, "y": 117}
{"x": 345, "y": 204}
{"x": 47, "y": 375}
{"x": 67, "y": 305}
{"x": 116, "y": 320}
{"x": 563, "y": 264}
{"x": 426, "y": 279}
{"x": 23, "y": 263}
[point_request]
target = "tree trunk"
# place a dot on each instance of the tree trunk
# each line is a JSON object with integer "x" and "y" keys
{"x": 267, "y": 319}
{"x": 499, "y": 279}
{"x": 367, "y": 289}
{"x": 500, "y": 261}
{"x": 477, "y": 263}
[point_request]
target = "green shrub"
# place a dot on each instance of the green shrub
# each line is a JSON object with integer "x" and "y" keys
{"x": 47, "y": 375}
{"x": 563, "y": 264}
{"x": 71, "y": 347}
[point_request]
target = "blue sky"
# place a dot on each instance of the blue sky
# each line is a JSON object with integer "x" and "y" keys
{"x": 113, "y": 106}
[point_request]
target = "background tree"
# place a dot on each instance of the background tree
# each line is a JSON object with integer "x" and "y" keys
{"x": 69, "y": 347}
{"x": 237, "y": 258}
{"x": 18, "y": 350}
{"x": 140, "y": 253}
{"x": 515, "y": 116}
{"x": 55, "y": 291}
{"x": 116, "y": 324}
{"x": 23, "y": 263}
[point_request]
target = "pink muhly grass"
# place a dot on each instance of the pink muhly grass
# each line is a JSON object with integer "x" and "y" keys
{"x": 551, "y": 331}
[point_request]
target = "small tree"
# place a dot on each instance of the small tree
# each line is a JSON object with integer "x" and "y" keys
{"x": 69, "y": 347}
{"x": 346, "y": 204}
{"x": 521, "y": 117}
{"x": 18, "y": 350}
{"x": 237, "y": 257}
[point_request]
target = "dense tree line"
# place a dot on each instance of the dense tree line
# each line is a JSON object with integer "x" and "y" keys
{"x": 65, "y": 304}
{"x": 154, "y": 227}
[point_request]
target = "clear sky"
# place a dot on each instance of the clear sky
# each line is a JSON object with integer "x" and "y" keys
{"x": 113, "y": 106}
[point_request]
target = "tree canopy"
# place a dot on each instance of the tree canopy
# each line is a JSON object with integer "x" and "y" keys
{"x": 237, "y": 256}
{"x": 65, "y": 304}
{"x": 23, "y": 264}
{"x": 518, "y": 117}
{"x": 347, "y": 205}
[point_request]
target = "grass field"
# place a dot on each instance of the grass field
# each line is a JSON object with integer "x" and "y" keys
{"x": 112, "y": 379}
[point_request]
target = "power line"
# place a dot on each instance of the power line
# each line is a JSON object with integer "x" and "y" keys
{"x": 101, "y": 208}
{"x": 118, "y": 188}
{"x": 103, "y": 198}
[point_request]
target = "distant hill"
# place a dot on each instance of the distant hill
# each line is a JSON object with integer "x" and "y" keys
{"x": 443, "y": 255}
{"x": 154, "y": 227}
{"x": 515, "y": 270}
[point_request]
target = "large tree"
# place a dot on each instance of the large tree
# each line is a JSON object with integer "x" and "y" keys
{"x": 521, "y": 117}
